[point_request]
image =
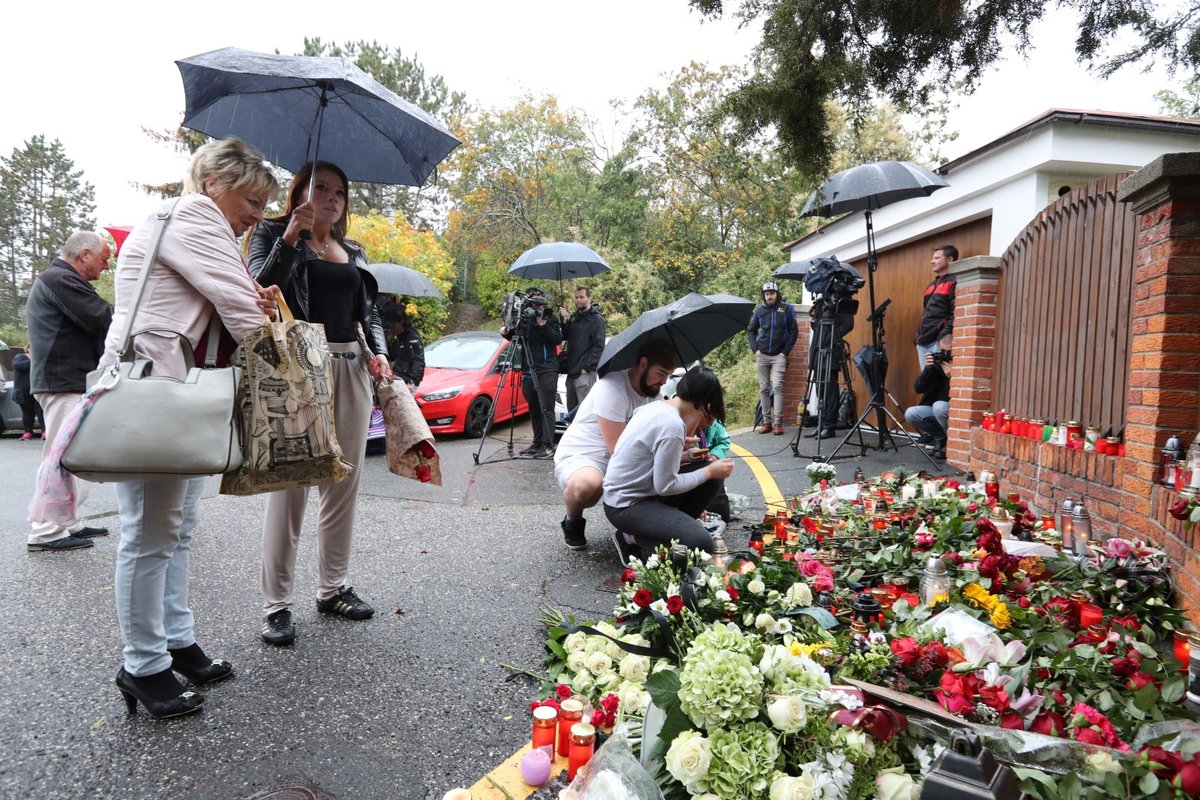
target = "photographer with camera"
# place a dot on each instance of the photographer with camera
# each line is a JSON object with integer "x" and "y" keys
{"x": 584, "y": 335}
{"x": 932, "y": 417}
{"x": 540, "y": 333}
{"x": 772, "y": 334}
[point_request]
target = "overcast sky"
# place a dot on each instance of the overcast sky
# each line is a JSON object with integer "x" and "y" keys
{"x": 93, "y": 76}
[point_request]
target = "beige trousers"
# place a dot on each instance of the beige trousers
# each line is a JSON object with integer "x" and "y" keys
{"x": 55, "y": 408}
{"x": 285, "y": 509}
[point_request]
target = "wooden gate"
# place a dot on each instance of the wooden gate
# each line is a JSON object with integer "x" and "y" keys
{"x": 1063, "y": 332}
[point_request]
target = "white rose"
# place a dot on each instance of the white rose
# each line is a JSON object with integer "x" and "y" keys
{"x": 773, "y": 596}
{"x": 783, "y": 626}
{"x": 798, "y": 594}
{"x": 635, "y": 668}
{"x": 1101, "y": 762}
{"x": 574, "y": 643}
{"x": 788, "y": 714}
{"x": 606, "y": 681}
{"x": 577, "y": 661}
{"x": 785, "y": 787}
{"x": 756, "y": 586}
{"x": 599, "y": 662}
{"x": 633, "y": 697}
{"x": 856, "y": 741}
{"x": 688, "y": 758}
{"x": 765, "y": 621}
{"x": 583, "y": 682}
{"x": 608, "y": 629}
{"x": 595, "y": 644}
{"x": 652, "y": 561}
{"x": 723, "y": 596}
{"x": 896, "y": 784}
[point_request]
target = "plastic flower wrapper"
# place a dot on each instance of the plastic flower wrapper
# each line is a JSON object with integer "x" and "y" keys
{"x": 613, "y": 773}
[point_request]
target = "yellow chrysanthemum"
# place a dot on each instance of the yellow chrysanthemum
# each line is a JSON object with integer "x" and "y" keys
{"x": 938, "y": 599}
{"x": 801, "y": 649}
{"x": 1000, "y": 616}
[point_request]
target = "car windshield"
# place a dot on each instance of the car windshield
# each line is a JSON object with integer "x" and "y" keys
{"x": 467, "y": 353}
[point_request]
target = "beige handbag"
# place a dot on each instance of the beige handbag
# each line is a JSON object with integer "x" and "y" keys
{"x": 285, "y": 409}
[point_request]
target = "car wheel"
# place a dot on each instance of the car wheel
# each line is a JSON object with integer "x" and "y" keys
{"x": 477, "y": 416}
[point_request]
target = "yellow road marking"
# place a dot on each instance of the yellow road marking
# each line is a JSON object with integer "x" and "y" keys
{"x": 771, "y": 494}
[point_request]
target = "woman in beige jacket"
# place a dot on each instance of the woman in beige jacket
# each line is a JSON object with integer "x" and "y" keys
{"x": 197, "y": 272}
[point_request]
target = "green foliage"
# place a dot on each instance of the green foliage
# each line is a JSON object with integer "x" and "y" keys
{"x": 45, "y": 199}
{"x": 1185, "y": 105}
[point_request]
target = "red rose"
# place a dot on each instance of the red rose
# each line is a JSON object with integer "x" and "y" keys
{"x": 991, "y": 541}
{"x": 1180, "y": 509}
{"x": 1123, "y": 667}
{"x": 1012, "y": 720}
{"x": 1089, "y": 736}
{"x": 609, "y": 703}
{"x": 1163, "y": 763}
{"x": 995, "y": 697}
{"x": 952, "y": 484}
{"x": 562, "y": 691}
{"x": 425, "y": 448}
{"x": 905, "y": 650}
{"x": 993, "y": 566}
{"x": 733, "y": 592}
{"x": 935, "y": 653}
{"x": 1128, "y": 621}
{"x": 1188, "y": 779}
{"x": 1058, "y": 696}
{"x": 598, "y": 718}
{"x": 972, "y": 507}
{"x": 1023, "y": 602}
{"x": 628, "y": 576}
{"x": 910, "y": 598}
{"x": 642, "y": 598}
{"x": 423, "y": 474}
{"x": 955, "y": 704}
{"x": 675, "y": 603}
{"x": 1049, "y": 723}
{"x": 953, "y": 557}
{"x": 1138, "y": 679}
{"x": 985, "y": 526}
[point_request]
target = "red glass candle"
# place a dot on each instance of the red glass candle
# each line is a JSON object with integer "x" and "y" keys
{"x": 545, "y": 722}
{"x": 1183, "y": 650}
{"x": 1001, "y": 418}
{"x": 583, "y": 744}
{"x": 1014, "y": 497}
{"x": 1090, "y": 614}
{"x": 989, "y": 421}
{"x": 781, "y": 533}
{"x": 569, "y": 713}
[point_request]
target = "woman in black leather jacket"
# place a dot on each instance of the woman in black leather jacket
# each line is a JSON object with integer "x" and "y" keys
{"x": 323, "y": 279}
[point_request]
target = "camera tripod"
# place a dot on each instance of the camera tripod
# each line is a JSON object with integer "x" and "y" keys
{"x": 828, "y": 348}
{"x": 877, "y": 373}
{"x": 518, "y": 348}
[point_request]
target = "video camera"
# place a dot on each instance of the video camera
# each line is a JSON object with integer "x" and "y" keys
{"x": 832, "y": 279}
{"x": 520, "y": 306}
{"x": 941, "y": 357}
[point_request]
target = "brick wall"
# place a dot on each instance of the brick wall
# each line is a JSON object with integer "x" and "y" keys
{"x": 1121, "y": 494}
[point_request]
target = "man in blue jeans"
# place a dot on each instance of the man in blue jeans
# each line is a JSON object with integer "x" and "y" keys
{"x": 932, "y": 416}
{"x": 772, "y": 334}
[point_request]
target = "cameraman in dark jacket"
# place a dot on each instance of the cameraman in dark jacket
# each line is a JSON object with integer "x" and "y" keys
{"x": 539, "y": 359}
{"x": 584, "y": 335}
{"x": 826, "y": 354}
{"x": 932, "y": 416}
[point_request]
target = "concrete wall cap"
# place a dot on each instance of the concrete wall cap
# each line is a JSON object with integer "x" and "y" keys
{"x": 1167, "y": 167}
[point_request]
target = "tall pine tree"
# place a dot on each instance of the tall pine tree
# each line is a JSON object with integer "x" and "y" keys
{"x": 44, "y": 199}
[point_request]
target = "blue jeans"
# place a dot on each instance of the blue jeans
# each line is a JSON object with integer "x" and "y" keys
{"x": 151, "y": 584}
{"x": 923, "y": 350}
{"x": 934, "y": 419}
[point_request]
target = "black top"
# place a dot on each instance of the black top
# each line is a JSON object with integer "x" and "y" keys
{"x": 67, "y": 322}
{"x": 331, "y": 291}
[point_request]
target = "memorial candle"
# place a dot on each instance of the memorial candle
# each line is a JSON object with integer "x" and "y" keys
{"x": 569, "y": 713}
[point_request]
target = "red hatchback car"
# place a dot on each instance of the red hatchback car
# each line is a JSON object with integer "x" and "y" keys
{"x": 461, "y": 374}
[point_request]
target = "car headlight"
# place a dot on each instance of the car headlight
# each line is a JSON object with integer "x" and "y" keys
{"x": 443, "y": 394}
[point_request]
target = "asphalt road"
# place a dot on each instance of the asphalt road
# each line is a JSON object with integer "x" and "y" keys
{"x": 406, "y": 705}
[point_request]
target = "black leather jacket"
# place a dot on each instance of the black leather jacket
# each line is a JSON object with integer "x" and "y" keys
{"x": 274, "y": 263}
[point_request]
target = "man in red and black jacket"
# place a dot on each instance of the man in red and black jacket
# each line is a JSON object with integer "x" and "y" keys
{"x": 938, "y": 316}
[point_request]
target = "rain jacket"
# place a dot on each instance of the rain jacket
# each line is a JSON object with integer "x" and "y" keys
{"x": 407, "y": 355}
{"x": 584, "y": 334}
{"x": 542, "y": 342}
{"x": 67, "y": 322}
{"x": 773, "y": 329}
{"x": 274, "y": 263}
{"x": 938, "y": 317}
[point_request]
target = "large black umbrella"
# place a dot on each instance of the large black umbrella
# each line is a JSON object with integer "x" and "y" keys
{"x": 871, "y": 186}
{"x": 558, "y": 260}
{"x": 397, "y": 279}
{"x": 695, "y": 324}
{"x": 798, "y": 270}
{"x": 296, "y": 109}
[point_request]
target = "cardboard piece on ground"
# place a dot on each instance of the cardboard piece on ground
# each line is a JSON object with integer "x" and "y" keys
{"x": 508, "y": 775}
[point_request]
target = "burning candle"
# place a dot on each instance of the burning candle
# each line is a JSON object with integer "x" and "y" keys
{"x": 1090, "y": 614}
{"x": 569, "y": 713}
{"x": 1183, "y": 650}
{"x": 583, "y": 744}
{"x": 781, "y": 530}
{"x": 545, "y": 721}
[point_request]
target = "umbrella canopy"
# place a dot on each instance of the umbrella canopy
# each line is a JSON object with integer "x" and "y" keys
{"x": 558, "y": 260}
{"x": 794, "y": 270}
{"x": 278, "y": 103}
{"x": 871, "y": 186}
{"x": 395, "y": 279}
{"x": 695, "y": 324}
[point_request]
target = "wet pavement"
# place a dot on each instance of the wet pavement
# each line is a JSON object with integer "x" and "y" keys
{"x": 406, "y": 705}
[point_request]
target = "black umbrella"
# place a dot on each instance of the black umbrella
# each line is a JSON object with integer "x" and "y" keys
{"x": 695, "y": 324}
{"x": 798, "y": 270}
{"x": 396, "y": 279}
{"x": 557, "y": 260}
{"x": 281, "y": 105}
{"x": 871, "y": 186}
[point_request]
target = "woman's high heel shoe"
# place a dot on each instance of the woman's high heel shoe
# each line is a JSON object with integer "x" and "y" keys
{"x": 193, "y": 664}
{"x": 160, "y": 694}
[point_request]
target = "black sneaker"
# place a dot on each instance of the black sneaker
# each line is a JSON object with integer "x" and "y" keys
{"x": 90, "y": 533}
{"x": 65, "y": 543}
{"x": 573, "y": 533}
{"x": 545, "y": 452}
{"x": 925, "y": 438}
{"x": 625, "y": 548}
{"x": 529, "y": 451}
{"x": 278, "y": 629}
{"x": 346, "y": 604}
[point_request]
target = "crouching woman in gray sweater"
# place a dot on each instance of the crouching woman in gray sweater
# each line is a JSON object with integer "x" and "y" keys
{"x": 646, "y": 493}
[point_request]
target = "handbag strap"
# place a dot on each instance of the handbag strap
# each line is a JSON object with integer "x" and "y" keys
{"x": 161, "y": 218}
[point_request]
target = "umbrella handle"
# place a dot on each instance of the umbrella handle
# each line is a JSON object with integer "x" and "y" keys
{"x": 312, "y": 175}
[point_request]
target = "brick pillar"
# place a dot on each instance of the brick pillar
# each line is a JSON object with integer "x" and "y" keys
{"x": 796, "y": 377}
{"x": 974, "y": 350}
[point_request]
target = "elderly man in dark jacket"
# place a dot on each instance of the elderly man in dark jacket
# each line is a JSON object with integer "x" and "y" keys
{"x": 772, "y": 334}
{"x": 539, "y": 360}
{"x": 584, "y": 334}
{"x": 67, "y": 322}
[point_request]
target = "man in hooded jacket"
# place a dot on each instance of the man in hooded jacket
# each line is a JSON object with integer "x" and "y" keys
{"x": 772, "y": 334}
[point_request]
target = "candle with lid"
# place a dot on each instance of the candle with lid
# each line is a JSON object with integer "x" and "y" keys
{"x": 583, "y": 744}
{"x": 1183, "y": 648}
{"x": 569, "y": 713}
{"x": 934, "y": 580}
{"x": 1063, "y": 524}
{"x": 545, "y": 723}
{"x": 1081, "y": 530}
